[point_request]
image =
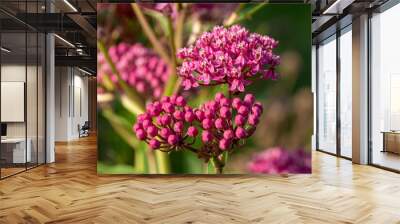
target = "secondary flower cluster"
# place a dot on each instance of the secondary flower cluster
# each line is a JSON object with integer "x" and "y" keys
{"x": 279, "y": 160}
{"x": 228, "y": 55}
{"x": 138, "y": 66}
{"x": 170, "y": 124}
{"x": 225, "y": 122}
{"x": 166, "y": 123}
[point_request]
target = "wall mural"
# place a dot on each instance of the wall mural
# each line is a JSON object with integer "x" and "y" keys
{"x": 194, "y": 88}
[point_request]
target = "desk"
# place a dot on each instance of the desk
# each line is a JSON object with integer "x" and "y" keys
{"x": 391, "y": 141}
{"x": 15, "y": 148}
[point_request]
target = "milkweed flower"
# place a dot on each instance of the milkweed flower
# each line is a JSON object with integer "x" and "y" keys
{"x": 227, "y": 122}
{"x": 166, "y": 124}
{"x": 138, "y": 66}
{"x": 279, "y": 160}
{"x": 224, "y": 124}
{"x": 232, "y": 56}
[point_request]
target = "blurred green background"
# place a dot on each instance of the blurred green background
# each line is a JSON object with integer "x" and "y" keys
{"x": 287, "y": 120}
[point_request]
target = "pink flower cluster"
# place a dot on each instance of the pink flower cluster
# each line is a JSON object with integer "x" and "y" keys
{"x": 166, "y": 123}
{"x": 279, "y": 160}
{"x": 170, "y": 124}
{"x": 228, "y": 55}
{"x": 138, "y": 66}
{"x": 225, "y": 122}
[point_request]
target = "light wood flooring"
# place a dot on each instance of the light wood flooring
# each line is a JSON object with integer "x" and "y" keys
{"x": 387, "y": 159}
{"x": 69, "y": 191}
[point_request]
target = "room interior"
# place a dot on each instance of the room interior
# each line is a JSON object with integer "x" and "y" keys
{"x": 355, "y": 178}
{"x": 22, "y": 101}
{"x": 28, "y": 60}
{"x": 385, "y": 89}
{"x": 336, "y": 83}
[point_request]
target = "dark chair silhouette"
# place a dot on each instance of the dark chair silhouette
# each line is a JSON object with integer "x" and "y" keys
{"x": 84, "y": 130}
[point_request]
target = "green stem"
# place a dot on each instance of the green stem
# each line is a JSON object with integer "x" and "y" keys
{"x": 218, "y": 165}
{"x": 150, "y": 33}
{"x": 163, "y": 164}
{"x": 171, "y": 88}
{"x": 179, "y": 26}
{"x": 136, "y": 100}
{"x": 151, "y": 161}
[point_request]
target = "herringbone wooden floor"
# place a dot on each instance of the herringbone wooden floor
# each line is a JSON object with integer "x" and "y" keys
{"x": 70, "y": 191}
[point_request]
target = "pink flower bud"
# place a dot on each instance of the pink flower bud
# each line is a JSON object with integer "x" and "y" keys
{"x": 154, "y": 109}
{"x": 206, "y": 136}
{"x": 253, "y": 120}
{"x": 165, "y": 99}
{"x": 219, "y": 96}
{"x": 228, "y": 134}
{"x": 209, "y": 113}
{"x": 240, "y": 133}
{"x": 168, "y": 107}
{"x": 173, "y": 139}
{"x": 224, "y": 102}
{"x": 225, "y": 112}
{"x": 256, "y": 111}
{"x": 137, "y": 126}
{"x": 159, "y": 120}
{"x": 143, "y": 117}
{"x": 192, "y": 131}
{"x": 146, "y": 123}
{"x": 165, "y": 119}
{"x": 224, "y": 144}
{"x": 178, "y": 127}
{"x": 189, "y": 116}
{"x": 149, "y": 107}
{"x": 172, "y": 99}
{"x": 236, "y": 103}
{"x": 141, "y": 134}
{"x": 259, "y": 106}
{"x": 249, "y": 99}
{"x": 213, "y": 106}
{"x": 207, "y": 123}
{"x": 154, "y": 144}
{"x": 180, "y": 101}
{"x": 179, "y": 115}
{"x": 239, "y": 120}
{"x": 200, "y": 115}
{"x": 219, "y": 123}
{"x": 154, "y": 82}
{"x": 141, "y": 87}
{"x": 188, "y": 108}
{"x": 243, "y": 110}
{"x": 165, "y": 132}
{"x": 157, "y": 92}
{"x": 152, "y": 131}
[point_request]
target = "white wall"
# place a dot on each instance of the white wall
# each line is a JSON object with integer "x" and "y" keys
{"x": 71, "y": 102}
{"x": 61, "y": 103}
{"x": 16, "y": 73}
{"x": 314, "y": 91}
